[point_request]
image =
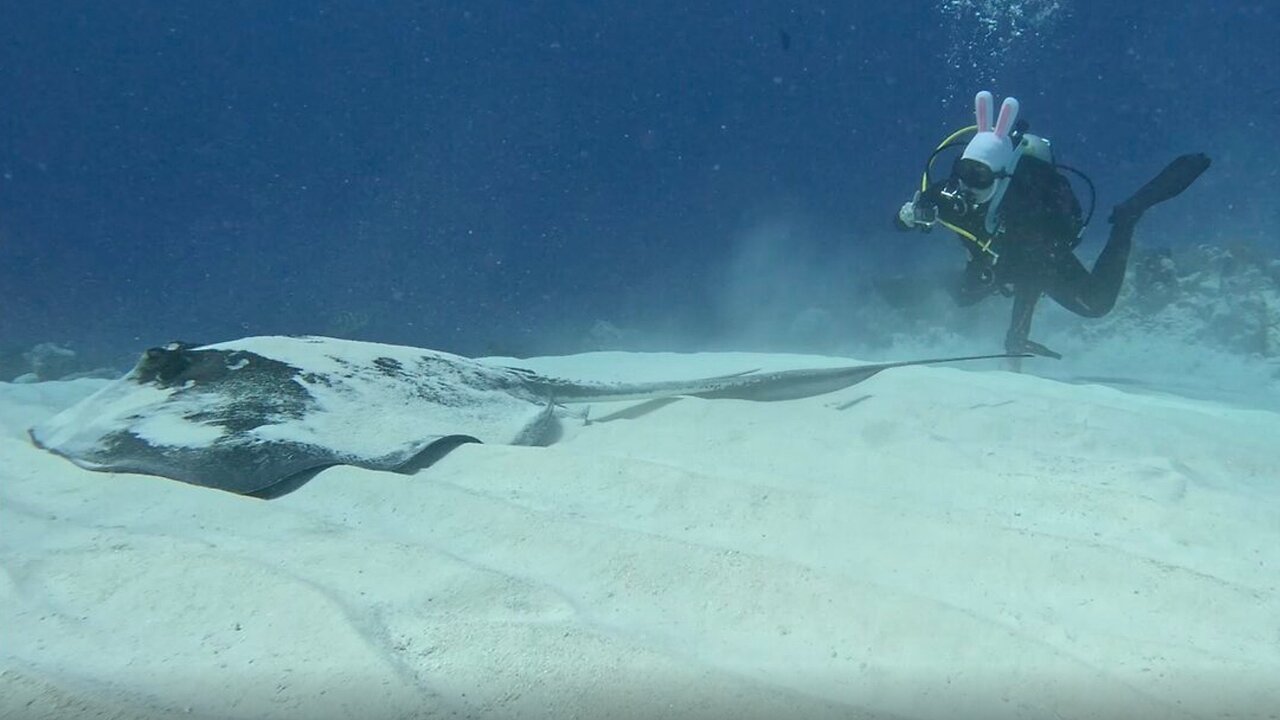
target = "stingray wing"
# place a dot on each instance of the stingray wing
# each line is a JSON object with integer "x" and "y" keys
{"x": 247, "y": 415}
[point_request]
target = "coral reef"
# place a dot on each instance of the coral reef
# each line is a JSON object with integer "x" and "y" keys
{"x": 1226, "y": 298}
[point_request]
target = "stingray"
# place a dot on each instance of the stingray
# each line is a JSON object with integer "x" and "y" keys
{"x": 261, "y": 415}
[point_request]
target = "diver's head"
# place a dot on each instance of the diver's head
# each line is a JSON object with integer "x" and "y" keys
{"x": 989, "y": 157}
{"x": 976, "y": 179}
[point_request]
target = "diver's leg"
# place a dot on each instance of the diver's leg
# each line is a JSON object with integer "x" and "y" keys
{"x": 1016, "y": 340}
{"x": 1093, "y": 294}
{"x": 1024, "y": 308}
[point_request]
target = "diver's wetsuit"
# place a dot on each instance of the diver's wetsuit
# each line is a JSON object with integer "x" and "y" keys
{"x": 1038, "y": 229}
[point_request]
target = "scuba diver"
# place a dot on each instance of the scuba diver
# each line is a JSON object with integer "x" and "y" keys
{"x": 1020, "y": 221}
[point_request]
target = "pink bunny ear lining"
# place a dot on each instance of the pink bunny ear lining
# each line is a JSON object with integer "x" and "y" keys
{"x": 982, "y": 110}
{"x": 1008, "y": 113}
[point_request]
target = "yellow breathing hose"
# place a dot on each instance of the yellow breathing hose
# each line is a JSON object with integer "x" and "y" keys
{"x": 984, "y": 245}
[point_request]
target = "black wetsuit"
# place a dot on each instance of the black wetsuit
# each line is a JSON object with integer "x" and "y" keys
{"x": 1038, "y": 227}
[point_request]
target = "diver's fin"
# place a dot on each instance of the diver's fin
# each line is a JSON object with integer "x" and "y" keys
{"x": 1171, "y": 181}
{"x": 1026, "y": 348}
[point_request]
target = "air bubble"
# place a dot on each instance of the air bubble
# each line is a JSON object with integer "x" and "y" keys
{"x": 986, "y": 36}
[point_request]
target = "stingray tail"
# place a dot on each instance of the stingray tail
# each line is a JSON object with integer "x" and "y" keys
{"x": 749, "y": 385}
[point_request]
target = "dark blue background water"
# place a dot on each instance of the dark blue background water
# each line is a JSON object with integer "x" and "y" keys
{"x": 497, "y": 176}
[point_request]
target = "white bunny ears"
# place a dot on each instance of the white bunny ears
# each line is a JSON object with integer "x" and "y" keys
{"x": 982, "y": 111}
{"x": 992, "y": 146}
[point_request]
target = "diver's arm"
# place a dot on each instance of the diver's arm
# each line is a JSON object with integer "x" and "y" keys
{"x": 918, "y": 213}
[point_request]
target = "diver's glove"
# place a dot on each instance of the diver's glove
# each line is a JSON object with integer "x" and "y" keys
{"x": 915, "y": 214}
{"x": 1015, "y": 347}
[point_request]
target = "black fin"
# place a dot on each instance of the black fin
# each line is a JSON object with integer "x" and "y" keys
{"x": 1171, "y": 181}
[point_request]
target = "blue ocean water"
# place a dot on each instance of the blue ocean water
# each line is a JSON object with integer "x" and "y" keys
{"x": 501, "y": 177}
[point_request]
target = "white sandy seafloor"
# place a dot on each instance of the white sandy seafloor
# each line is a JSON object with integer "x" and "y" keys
{"x": 936, "y": 542}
